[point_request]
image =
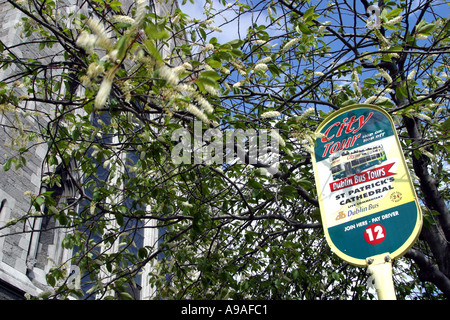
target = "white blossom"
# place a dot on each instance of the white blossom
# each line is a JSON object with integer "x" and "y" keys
{"x": 277, "y": 136}
{"x": 371, "y": 99}
{"x": 186, "y": 204}
{"x": 179, "y": 70}
{"x": 214, "y": 28}
{"x": 211, "y": 90}
{"x": 140, "y": 11}
{"x": 103, "y": 40}
{"x": 123, "y": 19}
{"x": 86, "y": 40}
{"x": 185, "y": 88}
{"x": 308, "y": 112}
{"x": 259, "y": 42}
{"x": 355, "y": 86}
{"x": 323, "y": 26}
{"x": 197, "y": 112}
{"x": 261, "y": 67}
{"x": 291, "y": 43}
{"x": 103, "y": 92}
{"x": 270, "y": 114}
{"x": 187, "y": 65}
{"x": 355, "y": 76}
{"x": 169, "y": 75}
{"x": 95, "y": 70}
{"x": 394, "y": 21}
{"x": 204, "y": 104}
{"x": 385, "y": 75}
{"x": 265, "y": 60}
{"x": 209, "y": 47}
{"x": 412, "y": 74}
{"x": 421, "y": 36}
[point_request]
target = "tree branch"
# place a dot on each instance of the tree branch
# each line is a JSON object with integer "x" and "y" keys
{"x": 429, "y": 272}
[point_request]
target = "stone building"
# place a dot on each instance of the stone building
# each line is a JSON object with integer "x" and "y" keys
{"x": 26, "y": 253}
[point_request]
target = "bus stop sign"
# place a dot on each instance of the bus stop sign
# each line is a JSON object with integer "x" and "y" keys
{"x": 367, "y": 201}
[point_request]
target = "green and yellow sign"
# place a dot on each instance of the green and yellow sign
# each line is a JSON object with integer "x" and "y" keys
{"x": 367, "y": 200}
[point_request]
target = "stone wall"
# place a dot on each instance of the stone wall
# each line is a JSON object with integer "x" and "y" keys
{"x": 25, "y": 253}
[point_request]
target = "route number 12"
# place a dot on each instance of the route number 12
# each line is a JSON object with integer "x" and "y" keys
{"x": 375, "y": 234}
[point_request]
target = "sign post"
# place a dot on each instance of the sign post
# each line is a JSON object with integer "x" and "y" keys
{"x": 368, "y": 205}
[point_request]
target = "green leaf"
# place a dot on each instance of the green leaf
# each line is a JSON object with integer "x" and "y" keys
{"x": 254, "y": 184}
{"x": 303, "y": 28}
{"x": 213, "y": 63}
{"x": 401, "y": 92}
{"x": 7, "y": 164}
{"x": 156, "y": 32}
{"x": 370, "y": 81}
{"x": 119, "y": 218}
{"x": 207, "y": 81}
{"x": 122, "y": 45}
{"x": 75, "y": 134}
{"x": 152, "y": 50}
{"x": 115, "y": 5}
{"x": 142, "y": 253}
{"x": 237, "y": 52}
{"x": 446, "y": 124}
{"x": 308, "y": 13}
{"x": 62, "y": 219}
{"x": 50, "y": 279}
{"x": 210, "y": 74}
{"x": 39, "y": 200}
{"x": 425, "y": 28}
{"x": 393, "y": 13}
{"x": 288, "y": 190}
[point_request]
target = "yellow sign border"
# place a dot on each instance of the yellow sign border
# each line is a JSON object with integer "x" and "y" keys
{"x": 417, "y": 228}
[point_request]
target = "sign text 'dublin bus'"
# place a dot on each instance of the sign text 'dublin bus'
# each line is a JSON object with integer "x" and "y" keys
{"x": 367, "y": 201}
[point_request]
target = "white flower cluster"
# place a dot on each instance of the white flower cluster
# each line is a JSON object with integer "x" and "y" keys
{"x": 98, "y": 38}
{"x": 139, "y": 16}
{"x": 291, "y": 43}
{"x": 87, "y": 41}
{"x": 384, "y": 43}
{"x": 323, "y": 26}
{"x": 394, "y": 21}
{"x": 208, "y": 47}
{"x": 385, "y": 75}
{"x": 103, "y": 92}
{"x": 421, "y": 36}
{"x": 377, "y": 99}
{"x": 204, "y": 103}
{"x": 214, "y": 28}
{"x": 122, "y": 19}
{"x": 411, "y": 74}
{"x": 355, "y": 83}
{"x": 277, "y": 136}
{"x": 260, "y": 67}
{"x": 270, "y": 114}
{"x": 265, "y": 60}
{"x": 169, "y": 74}
{"x": 197, "y": 112}
{"x": 94, "y": 70}
{"x": 140, "y": 12}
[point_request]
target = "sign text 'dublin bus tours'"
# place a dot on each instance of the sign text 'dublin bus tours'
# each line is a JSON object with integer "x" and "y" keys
{"x": 367, "y": 201}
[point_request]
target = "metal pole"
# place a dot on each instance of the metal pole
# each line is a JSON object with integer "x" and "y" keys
{"x": 380, "y": 267}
